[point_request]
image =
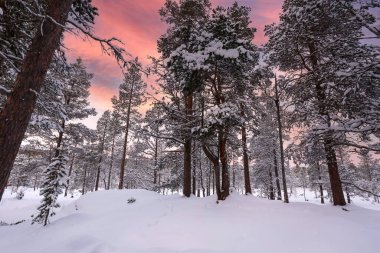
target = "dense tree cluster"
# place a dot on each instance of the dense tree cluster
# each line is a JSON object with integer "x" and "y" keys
{"x": 303, "y": 111}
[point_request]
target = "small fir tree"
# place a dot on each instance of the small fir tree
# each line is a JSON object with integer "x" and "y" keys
{"x": 54, "y": 183}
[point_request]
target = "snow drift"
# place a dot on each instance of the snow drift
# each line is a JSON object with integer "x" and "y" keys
{"x": 109, "y": 222}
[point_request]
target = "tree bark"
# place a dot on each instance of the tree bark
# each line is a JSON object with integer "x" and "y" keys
{"x": 187, "y": 149}
{"x": 84, "y": 179}
{"x": 276, "y": 175}
{"x": 225, "y": 190}
{"x": 19, "y": 106}
{"x": 209, "y": 180}
{"x": 320, "y": 184}
{"x": 155, "y": 158}
{"x": 111, "y": 163}
{"x": 282, "y": 159}
{"x": 271, "y": 188}
{"x": 60, "y": 138}
{"x": 348, "y": 196}
{"x": 216, "y": 176}
{"x": 194, "y": 178}
{"x": 68, "y": 176}
{"x": 201, "y": 175}
{"x": 247, "y": 179}
{"x": 336, "y": 184}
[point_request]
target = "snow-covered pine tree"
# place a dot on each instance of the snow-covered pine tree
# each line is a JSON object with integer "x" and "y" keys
{"x": 46, "y": 37}
{"x": 210, "y": 62}
{"x": 186, "y": 20}
{"x": 131, "y": 96}
{"x": 53, "y": 185}
{"x": 332, "y": 78}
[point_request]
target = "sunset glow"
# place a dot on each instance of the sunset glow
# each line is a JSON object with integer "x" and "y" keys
{"x": 138, "y": 25}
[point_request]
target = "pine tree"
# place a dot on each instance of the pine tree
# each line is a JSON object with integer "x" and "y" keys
{"x": 205, "y": 69}
{"x": 131, "y": 96}
{"x": 115, "y": 128}
{"x": 185, "y": 20}
{"x": 101, "y": 128}
{"x": 318, "y": 44}
{"x": 52, "y": 187}
{"x": 18, "y": 107}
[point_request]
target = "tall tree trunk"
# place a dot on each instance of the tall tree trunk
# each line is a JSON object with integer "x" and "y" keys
{"x": 60, "y": 139}
{"x": 101, "y": 149}
{"x": 332, "y": 165}
{"x": 187, "y": 149}
{"x": 233, "y": 177}
{"x": 209, "y": 180}
{"x": 348, "y": 196}
{"x": 70, "y": 171}
{"x": 84, "y": 179}
{"x": 35, "y": 182}
{"x": 124, "y": 157}
{"x": 216, "y": 169}
{"x": 247, "y": 180}
{"x": 19, "y": 106}
{"x": 320, "y": 184}
{"x": 194, "y": 178}
{"x": 282, "y": 159}
{"x": 336, "y": 184}
{"x": 213, "y": 181}
{"x": 201, "y": 174}
{"x": 276, "y": 175}
{"x": 111, "y": 163}
{"x": 155, "y": 159}
{"x": 271, "y": 188}
{"x": 225, "y": 191}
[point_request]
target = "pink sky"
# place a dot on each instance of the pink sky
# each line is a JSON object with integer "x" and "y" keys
{"x": 137, "y": 23}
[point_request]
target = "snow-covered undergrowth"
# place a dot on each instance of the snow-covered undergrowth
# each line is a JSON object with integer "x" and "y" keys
{"x": 104, "y": 222}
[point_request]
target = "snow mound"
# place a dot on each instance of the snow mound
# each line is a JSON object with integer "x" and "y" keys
{"x": 111, "y": 222}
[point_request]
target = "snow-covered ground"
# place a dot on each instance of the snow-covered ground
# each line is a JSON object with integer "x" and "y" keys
{"x": 104, "y": 222}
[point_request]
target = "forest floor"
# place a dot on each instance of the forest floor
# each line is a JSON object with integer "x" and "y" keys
{"x": 105, "y": 222}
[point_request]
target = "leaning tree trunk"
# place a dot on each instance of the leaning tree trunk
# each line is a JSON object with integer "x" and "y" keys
{"x": 19, "y": 106}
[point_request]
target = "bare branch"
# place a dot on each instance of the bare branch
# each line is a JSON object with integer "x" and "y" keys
{"x": 360, "y": 189}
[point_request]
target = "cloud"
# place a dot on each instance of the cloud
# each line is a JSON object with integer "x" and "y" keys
{"x": 138, "y": 24}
